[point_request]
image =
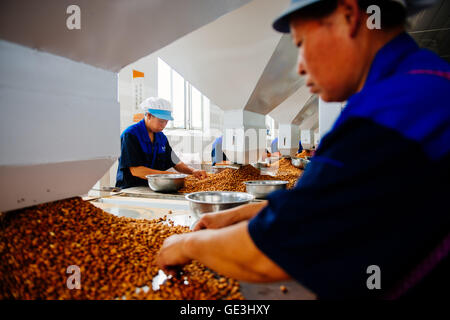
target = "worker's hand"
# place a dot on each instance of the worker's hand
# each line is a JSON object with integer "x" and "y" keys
{"x": 228, "y": 217}
{"x": 215, "y": 220}
{"x": 171, "y": 255}
{"x": 199, "y": 174}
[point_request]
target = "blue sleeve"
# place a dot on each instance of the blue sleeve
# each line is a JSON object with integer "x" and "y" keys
{"x": 131, "y": 152}
{"x": 300, "y": 147}
{"x": 213, "y": 156}
{"x": 274, "y": 146}
{"x": 360, "y": 202}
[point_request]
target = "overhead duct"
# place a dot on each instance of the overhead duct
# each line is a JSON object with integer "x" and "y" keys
{"x": 59, "y": 126}
{"x": 279, "y": 79}
{"x": 225, "y": 59}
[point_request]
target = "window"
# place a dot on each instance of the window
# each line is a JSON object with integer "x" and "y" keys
{"x": 178, "y": 100}
{"x": 188, "y": 102}
{"x": 196, "y": 108}
{"x": 164, "y": 78}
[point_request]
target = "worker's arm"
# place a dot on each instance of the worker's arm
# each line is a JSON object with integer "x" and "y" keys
{"x": 229, "y": 251}
{"x": 228, "y": 217}
{"x": 142, "y": 171}
{"x": 184, "y": 168}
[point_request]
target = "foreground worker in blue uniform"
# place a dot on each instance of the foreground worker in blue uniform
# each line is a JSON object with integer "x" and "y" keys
{"x": 362, "y": 221}
{"x": 145, "y": 149}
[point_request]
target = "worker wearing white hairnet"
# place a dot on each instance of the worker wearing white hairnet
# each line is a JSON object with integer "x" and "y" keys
{"x": 145, "y": 149}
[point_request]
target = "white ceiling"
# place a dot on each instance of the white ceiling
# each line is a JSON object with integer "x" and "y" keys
{"x": 289, "y": 108}
{"x": 226, "y": 48}
{"x": 114, "y": 33}
{"x": 226, "y": 58}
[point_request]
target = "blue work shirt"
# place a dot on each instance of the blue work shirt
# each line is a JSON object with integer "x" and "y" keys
{"x": 274, "y": 145}
{"x": 300, "y": 147}
{"x": 138, "y": 150}
{"x": 217, "y": 155}
{"x": 377, "y": 190}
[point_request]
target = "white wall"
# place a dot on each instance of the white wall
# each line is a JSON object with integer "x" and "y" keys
{"x": 245, "y": 135}
{"x": 307, "y": 138}
{"x": 316, "y": 139}
{"x": 288, "y": 137}
{"x": 328, "y": 113}
{"x": 127, "y": 108}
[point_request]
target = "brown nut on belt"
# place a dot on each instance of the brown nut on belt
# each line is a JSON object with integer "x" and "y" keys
{"x": 233, "y": 179}
{"x": 113, "y": 256}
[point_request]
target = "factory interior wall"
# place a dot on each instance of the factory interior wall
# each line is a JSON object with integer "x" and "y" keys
{"x": 288, "y": 138}
{"x": 328, "y": 113}
{"x": 307, "y": 138}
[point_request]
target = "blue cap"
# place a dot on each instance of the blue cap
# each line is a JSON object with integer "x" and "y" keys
{"x": 281, "y": 23}
{"x": 161, "y": 114}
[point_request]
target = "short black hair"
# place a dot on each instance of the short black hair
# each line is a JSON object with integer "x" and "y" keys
{"x": 393, "y": 14}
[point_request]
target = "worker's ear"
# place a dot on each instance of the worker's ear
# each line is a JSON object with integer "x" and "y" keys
{"x": 353, "y": 15}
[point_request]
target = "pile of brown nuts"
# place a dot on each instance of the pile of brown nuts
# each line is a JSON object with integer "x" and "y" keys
{"x": 233, "y": 179}
{"x": 113, "y": 255}
{"x": 285, "y": 167}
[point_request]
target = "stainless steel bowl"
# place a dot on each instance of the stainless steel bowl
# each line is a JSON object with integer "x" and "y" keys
{"x": 261, "y": 188}
{"x": 299, "y": 162}
{"x": 166, "y": 182}
{"x": 260, "y": 165}
{"x": 213, "y": 201}
{"x": 271, "y": 160}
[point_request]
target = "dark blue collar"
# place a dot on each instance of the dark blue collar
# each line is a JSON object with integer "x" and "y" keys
{"x": 143, "y": 132}
{"x": 389, "y": 57}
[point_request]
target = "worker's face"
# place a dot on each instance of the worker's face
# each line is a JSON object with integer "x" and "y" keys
{"x": 328, "y": 54}
{"x": 155, "y": 124}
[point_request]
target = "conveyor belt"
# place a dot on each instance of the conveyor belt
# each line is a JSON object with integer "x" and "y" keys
{"x": 141, "y": 202}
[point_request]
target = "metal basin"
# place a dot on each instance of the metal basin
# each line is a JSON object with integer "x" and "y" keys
{"x": 212, "y": 201}
{"x": 299, "y": 162}
{"x": 166, "y": 182}
{"x": 271, "y": 160}
{"x": 260, "y": 165}
{"x": 261, "y": 188}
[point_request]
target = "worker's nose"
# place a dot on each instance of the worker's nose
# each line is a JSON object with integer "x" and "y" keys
{"x": 301, "y": 70}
